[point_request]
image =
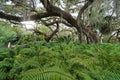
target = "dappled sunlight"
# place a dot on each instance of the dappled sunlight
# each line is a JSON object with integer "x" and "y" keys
{"x": 29, "y": 25}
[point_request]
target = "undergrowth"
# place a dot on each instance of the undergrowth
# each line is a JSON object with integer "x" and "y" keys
{"x": 60, "y": 61}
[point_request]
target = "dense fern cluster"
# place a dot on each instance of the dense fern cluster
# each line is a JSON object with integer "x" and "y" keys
{"x": 61, "y": 61}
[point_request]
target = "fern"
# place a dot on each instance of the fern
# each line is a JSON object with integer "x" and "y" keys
{"x": 104, "y": 75}
{"x": 30, "y": 64}
{"x": 5, "y": 67}
{"x": 75, "y": 61}
{"x": 47, "y": 74}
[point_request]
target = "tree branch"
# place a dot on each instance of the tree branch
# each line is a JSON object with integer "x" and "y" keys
{"x": 81, "y": 26}
{"x": 37, "y": 16}
{"x": 39, "y": 32}
{"x": 56, "y": 11}
{"x": 84, "y": 8}
{"x": 53, "y": 33}
{"x": 10, "y": 17}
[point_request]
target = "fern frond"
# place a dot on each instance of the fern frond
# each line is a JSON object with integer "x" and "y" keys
{"x": 47, "y": 74}
{"x": 107, "y": 75}
{"x": 30, "y": 64}
{"x": 104, "y": 75}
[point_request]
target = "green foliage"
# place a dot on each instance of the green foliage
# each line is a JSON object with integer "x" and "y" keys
{"x": 61, "y": 61}
{"x": 47, "y": 74}
{"x": 6, "y": 33}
